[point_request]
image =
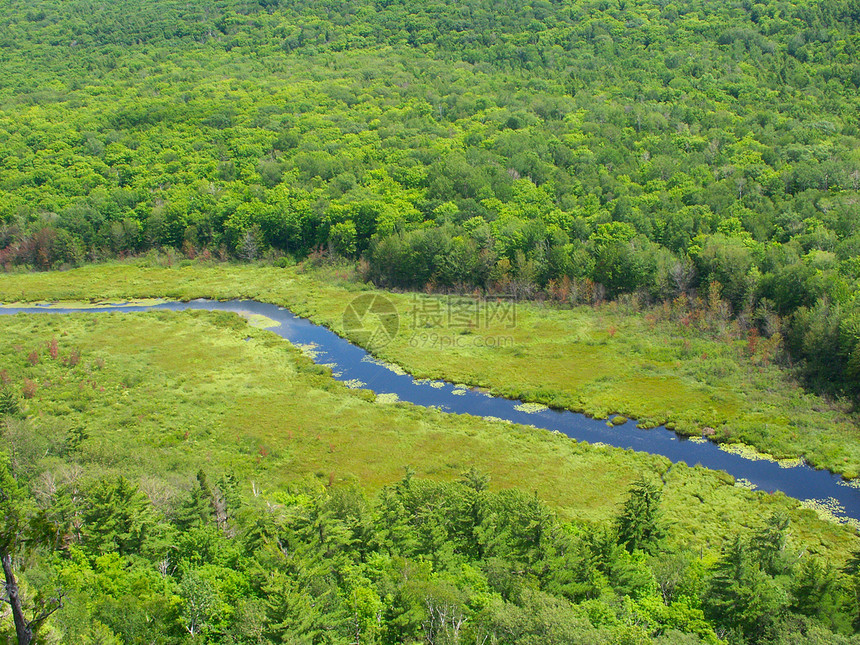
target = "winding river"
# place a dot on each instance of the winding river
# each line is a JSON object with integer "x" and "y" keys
{"x": 354, "y": 366}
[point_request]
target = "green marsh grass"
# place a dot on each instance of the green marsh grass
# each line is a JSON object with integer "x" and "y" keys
{"x": 161, "y": 394}
{"x": 598, "y": 360}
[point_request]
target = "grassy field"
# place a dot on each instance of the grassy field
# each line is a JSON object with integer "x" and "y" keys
{"x": 599, "y": 360}
{"x": 161, "y": 394}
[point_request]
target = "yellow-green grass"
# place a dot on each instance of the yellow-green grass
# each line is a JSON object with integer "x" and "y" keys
{"x": 163, "y": 394}
{"x": 599, "y": 361}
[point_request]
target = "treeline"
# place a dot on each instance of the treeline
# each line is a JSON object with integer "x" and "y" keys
{"x": 582, "y": 150}
{"x": 107, "y": 561}
{"x": 801, "y": 299}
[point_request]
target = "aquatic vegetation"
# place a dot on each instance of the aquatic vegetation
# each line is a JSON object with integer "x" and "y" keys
{"x": 830, "y": 510}
{"x": 530, "y": 408}
{"x": 749, "y": 452}
{"x": 740, "y": 482}
{"x": 391, "y": 367}
{"x": 309, "y": 350}
{"x": 386, "y": 398}
{"x": 258, "y": 320}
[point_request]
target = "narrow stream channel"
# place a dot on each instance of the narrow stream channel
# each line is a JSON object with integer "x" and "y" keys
{"x": 353, "y": 365}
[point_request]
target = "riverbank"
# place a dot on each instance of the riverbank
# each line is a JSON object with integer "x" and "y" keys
{"x": 599, "y": 361}
{"x": 168, "y": 392}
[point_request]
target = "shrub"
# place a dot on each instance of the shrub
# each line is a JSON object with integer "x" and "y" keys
{"x": 74, "y": 358}
{"x": 29, "y": 389}
{"x": 53, "y": 349}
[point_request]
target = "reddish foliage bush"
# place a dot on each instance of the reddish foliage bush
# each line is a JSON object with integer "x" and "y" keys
{"x": 29, "y": 389}
{"x": 53, "y": 349}
{"x": 188, "y": 250}
{"x": 38, "y": 249}
{"x": 752, "y": 341}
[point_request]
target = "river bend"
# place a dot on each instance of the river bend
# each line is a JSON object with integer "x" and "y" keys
{"x": 353, "y": 365}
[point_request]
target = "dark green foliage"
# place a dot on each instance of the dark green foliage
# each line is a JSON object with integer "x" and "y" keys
{"x": 11, "y": 502}
{"x": 768, "y": 546}
{"x": 743, "y": 598}
{"x": 640, "y": 525}
{"x": 196, "y": 509}
{"x": 117, "y": 518}
{"x": 74, "y": 438}
{"x": 426, "y": 561}
{"x": 819, "y": 594}
{"x": 8, "y": 402}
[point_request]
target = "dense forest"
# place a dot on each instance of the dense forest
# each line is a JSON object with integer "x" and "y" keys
{"x": 701, "y": 158}
{"x": 576, "y": 150}
{"x": 424, "y": 562}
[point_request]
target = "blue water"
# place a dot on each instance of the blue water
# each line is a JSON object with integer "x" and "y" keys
{"x": 350, "y": 362}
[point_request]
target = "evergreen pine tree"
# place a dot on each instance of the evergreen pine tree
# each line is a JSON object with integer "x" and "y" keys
{"x": 8, "y": 403}
{"x": 640, "y": 524}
